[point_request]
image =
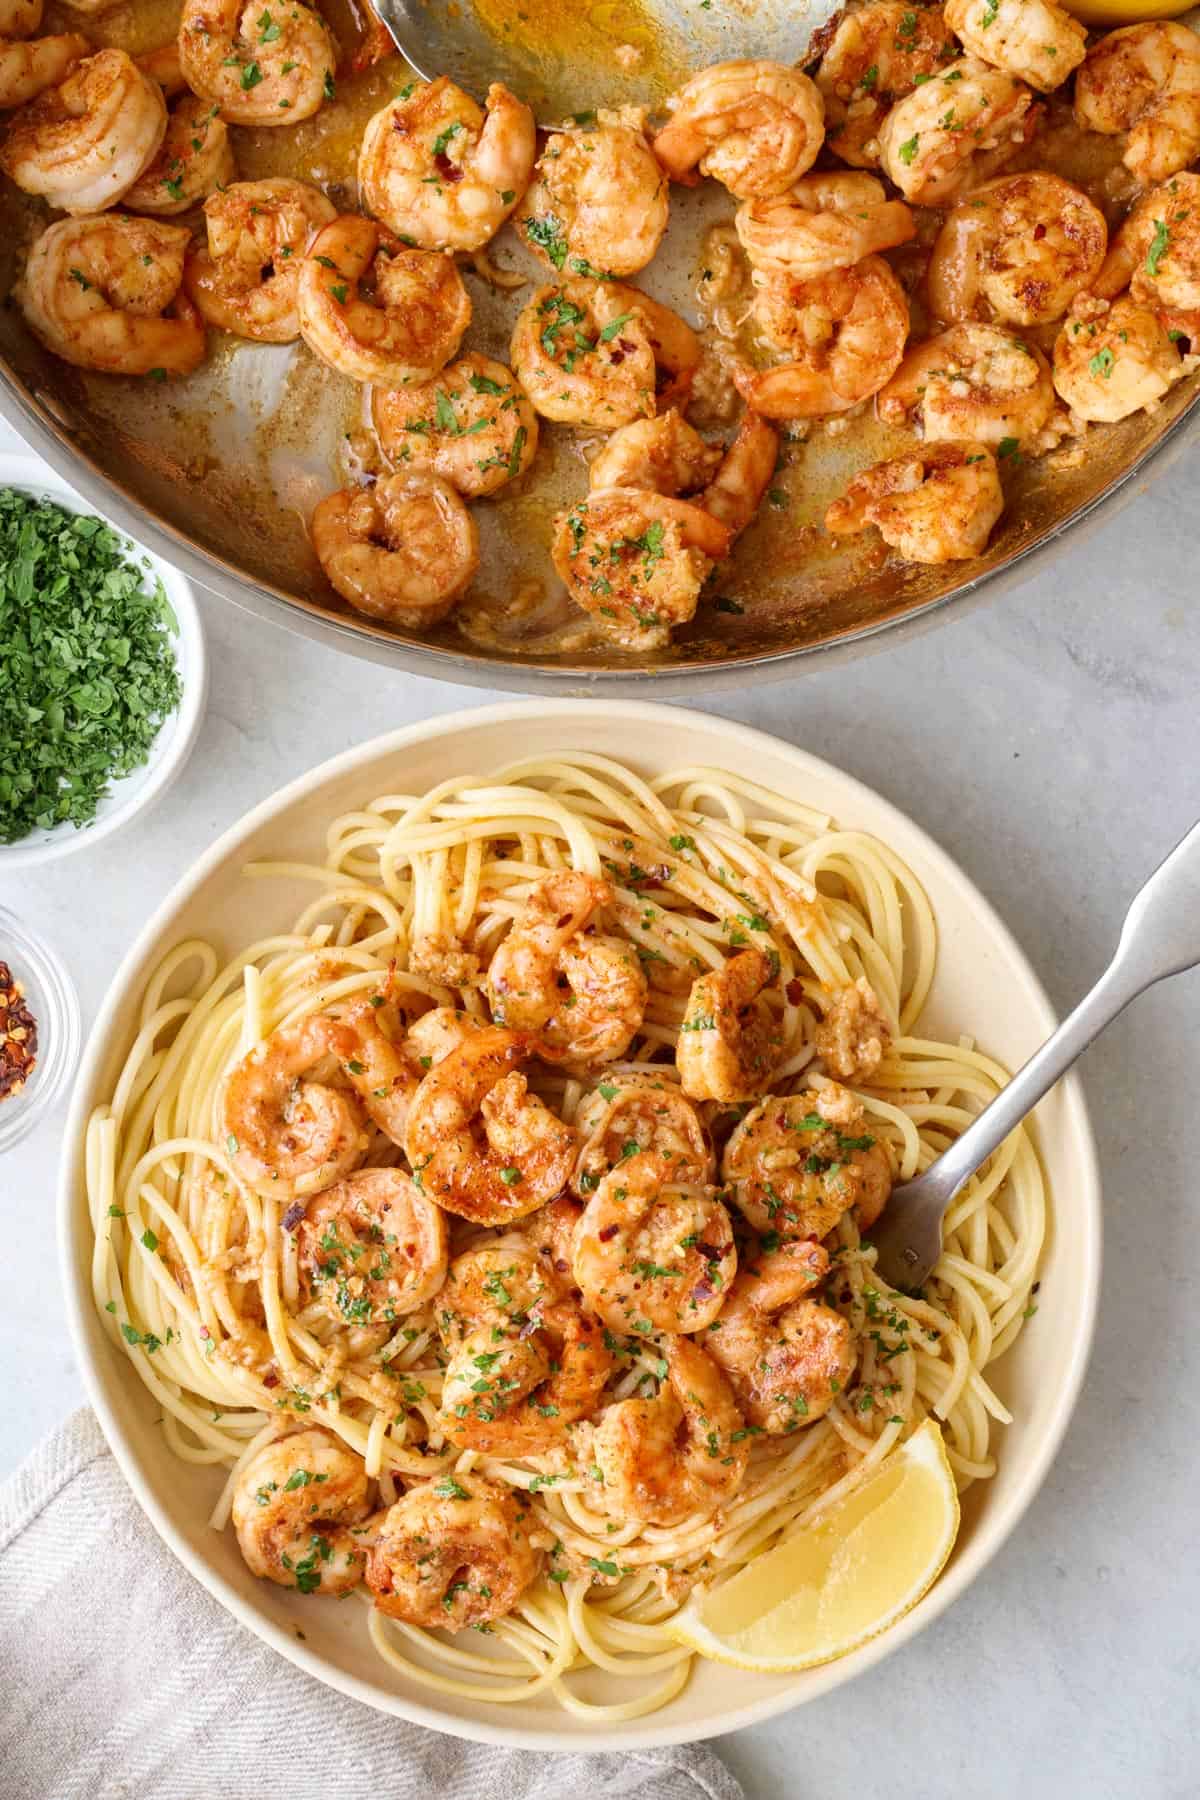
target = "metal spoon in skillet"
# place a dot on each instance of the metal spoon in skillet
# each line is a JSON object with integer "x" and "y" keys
{"x": 563, "y": 57}
{"x": 1160, "y": 937}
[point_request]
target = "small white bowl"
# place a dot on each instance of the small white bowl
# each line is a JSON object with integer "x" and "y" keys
{"x": 139, "y": 790}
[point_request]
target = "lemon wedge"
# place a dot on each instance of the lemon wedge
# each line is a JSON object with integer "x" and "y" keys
{"x": 841, "y": 1581}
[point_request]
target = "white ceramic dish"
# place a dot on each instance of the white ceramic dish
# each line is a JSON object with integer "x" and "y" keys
{"x": 984, "y": 985}
{"x": 177, "y": 734}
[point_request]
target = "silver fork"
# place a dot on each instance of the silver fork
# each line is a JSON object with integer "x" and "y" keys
{"x": 1160, "y": 937}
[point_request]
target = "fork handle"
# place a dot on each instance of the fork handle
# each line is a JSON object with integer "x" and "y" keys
{"x": 1160, "y": 937}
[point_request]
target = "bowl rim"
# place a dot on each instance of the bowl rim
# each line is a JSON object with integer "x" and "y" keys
{"x": 28, "y": 471}
{"x": 635, "y": 1735}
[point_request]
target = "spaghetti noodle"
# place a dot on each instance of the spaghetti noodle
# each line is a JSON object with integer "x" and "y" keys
{"x": 197, "y": 1270}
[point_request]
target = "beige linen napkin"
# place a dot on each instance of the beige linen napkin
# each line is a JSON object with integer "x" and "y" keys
{"x": 123, "y": 1678}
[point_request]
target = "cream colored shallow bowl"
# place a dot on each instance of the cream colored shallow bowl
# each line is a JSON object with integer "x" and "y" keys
{"x": 983, "y": 985}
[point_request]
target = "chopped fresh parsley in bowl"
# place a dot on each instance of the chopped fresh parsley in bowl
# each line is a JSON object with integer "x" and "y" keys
{"x": 102, "y": 671}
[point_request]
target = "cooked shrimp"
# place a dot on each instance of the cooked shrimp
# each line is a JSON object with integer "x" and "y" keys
{"x": 640, "y": 1110}
{"x": 382, "y": 1065}
{"x": 452, "y": 1553}
{"x": 296, "y": 1505}
{"x": 550, "y": 1231}
{"x": 104, "y": 293}
{"x": 598, "y": 202}
{"x": 195, "y": 158}
{"x": 1145, "y": 80}
{"x": 602, "y": 354}
{"x": 652, "y": 1254}
{"x": 743, "y": 474}
{"x": 973, "y": 382}
{"x": 496, "y": 1287}
{"x": 83, "y": 144}
{"x": 824, "y": 222}
{"x": 27, "y": 70}
{"x": 684, "y": 1451}
{"x": 472, "y": 425}
{"x": 853, "y": 1034}
{"x": 953, "y": 131}
{"x": 877, "y": 55}
{"x": 786, "y": 1357}
{"x": 1034, "y": 40}
{"x": 280, "y": 1121}
{"x": 262, "y": 67}
{"x": 1017, "y": 250}
{"x": 729, "y": 1039}
{"x": 936, "y": 505}
{"x": 162, "y": 65}
{"x": 405, "y": 326}
{"x": 637, "y": 561}
{"x": 581, "y": 993}
{"x": 372, "y": 1247}
{"x": 19, "y": 18}
{"x": 402, "y": 551}
{"x": 756, "y": 127}
{"x": 245, "y": 280}
{"x": 1111, "y": 361}
{"x": 795, "y": 1165}
{"x": 844, "y": 334}
{"x": 479, "y": 1141}
{"x": 1156, "y": 254}
{"x": 664, "y": 455}
{"x": 434, "y": 169}
{"x": 516, "y": 1396}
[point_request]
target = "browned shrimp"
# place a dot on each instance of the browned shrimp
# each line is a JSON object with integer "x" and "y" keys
{"x": 729, "y": 1040}
{"x": 684, "y": 1451}
{"x": 842, "y": 334}
{"x": 937, "y": 504}
{"x": 636, "y": 561}
{"x": 372, "y": 1248}
{"x": 652, "y": 1254}
{"x": 244, "y": 279}
{"x": 472, "y": 425}
{"x": 509, "y": 1395}
{"x": 452, "y": 1553}
{"x": 754, "y": 126}
{"x": 376, "y": 311}
{"x": 601, "y": 354}
{"x": 795, "y": 1165}
{"x": 582, "y": 994}
{"x": 479, "y": 1141}
{"x": 877, "y": 55}
{"x": 640, "y": 1109}
{"x": 403, "y": 550}
{"x": 787, "y": 1357}
{"x": 300, "y": 1507}
{"x": 1016, "y": 250}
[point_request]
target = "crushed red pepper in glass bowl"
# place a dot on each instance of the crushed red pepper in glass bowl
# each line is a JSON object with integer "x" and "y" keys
{"x": 39, "y": 1028}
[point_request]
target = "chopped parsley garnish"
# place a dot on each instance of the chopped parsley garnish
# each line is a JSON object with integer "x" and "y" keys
{"x": 87, "y": 674}
{"x": 1158, "y": 247}
{"x": 1102, "y": 363}
{"x": 909, "y": 149}
{"x": 547, "y": 234}
{"x": 449, "y": 1489}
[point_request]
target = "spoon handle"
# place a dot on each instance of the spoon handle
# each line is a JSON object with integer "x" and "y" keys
{"x": 1160, "y": 937}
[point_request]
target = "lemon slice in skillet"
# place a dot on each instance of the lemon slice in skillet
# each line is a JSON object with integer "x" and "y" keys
{"x": 829, "y": 1588}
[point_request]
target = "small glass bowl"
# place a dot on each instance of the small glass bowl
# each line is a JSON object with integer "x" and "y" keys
{"x": 51, "y": 998}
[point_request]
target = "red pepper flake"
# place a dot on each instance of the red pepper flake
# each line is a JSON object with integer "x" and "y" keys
{"x": 270, "y": 1379}
{"x": 606, "y": 1232}
{"x": 18, "y": 1035}
{"x": 795, "y": 990}
{"x": 292, "y": 1216}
